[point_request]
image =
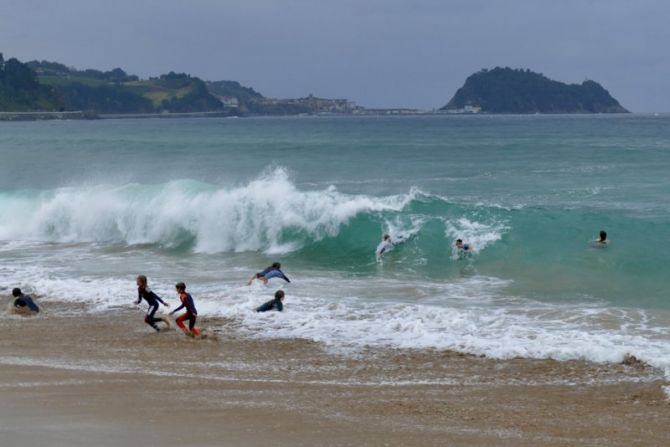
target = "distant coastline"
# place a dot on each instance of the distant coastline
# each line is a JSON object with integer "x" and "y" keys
{"x": 41, "y": 90}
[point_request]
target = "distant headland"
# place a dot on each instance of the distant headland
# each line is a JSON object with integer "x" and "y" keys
{"x": 50, "y": 90}
{"x": 515, "y": 91}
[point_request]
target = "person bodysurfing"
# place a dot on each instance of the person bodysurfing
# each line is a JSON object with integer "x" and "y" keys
{"x": 387, "y": 245}
{"x": 463, "y": 250}
{"x": 274, "y": 271}
{"x": 461, "y": 246}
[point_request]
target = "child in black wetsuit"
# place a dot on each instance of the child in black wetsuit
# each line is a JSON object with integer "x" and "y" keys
{"x": 22, "y": 301}
{"x": 191, "y": 313}
{"x": 276, "y": 303}
{"x": 152, "y": 299}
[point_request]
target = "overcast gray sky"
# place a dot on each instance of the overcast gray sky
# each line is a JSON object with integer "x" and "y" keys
{"x": 379, "y": 53}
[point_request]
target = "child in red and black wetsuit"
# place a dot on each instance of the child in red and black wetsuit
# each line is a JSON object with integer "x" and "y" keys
{"x": 152, "y": 300}
{"x": 191, "y": 313}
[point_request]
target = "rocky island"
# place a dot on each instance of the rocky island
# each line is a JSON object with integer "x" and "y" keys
{"x": 517, "y": 91}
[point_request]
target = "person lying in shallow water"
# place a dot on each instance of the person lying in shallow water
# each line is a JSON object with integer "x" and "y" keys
{"x": 276, "y": 303}
{"x": 23, "y": 301}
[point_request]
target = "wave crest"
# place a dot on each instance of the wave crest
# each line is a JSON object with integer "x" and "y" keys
{"x": 257, "y": 216}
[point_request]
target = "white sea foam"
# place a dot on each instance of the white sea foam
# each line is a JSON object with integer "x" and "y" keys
{"x": 470, "y": 315}
{"x": 467, "y": 316}
{"x": 247, "y": 218}
{"x": 478, "y": 235}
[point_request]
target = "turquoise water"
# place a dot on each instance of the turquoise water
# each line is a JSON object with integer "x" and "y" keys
{"x": 213, "y": 200}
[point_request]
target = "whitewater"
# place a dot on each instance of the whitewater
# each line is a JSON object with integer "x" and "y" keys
{"x": 210, "y": 202}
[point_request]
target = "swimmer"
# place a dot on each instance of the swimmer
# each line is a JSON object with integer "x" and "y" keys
{"x": 191, "y": 313}
{"x": 276, "y": 303}
{"x": 602, "y": 239}
{"x": 461, "y": 247}
{"x": 24, "y": 301}
{"x": 387, "y": 245}
{"x": 152, "y": 299}
{"x": 271, "y": 272}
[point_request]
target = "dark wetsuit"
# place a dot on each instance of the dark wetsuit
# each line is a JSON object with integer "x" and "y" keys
{"x": 152, "y": 299}
{"x": 272, "y": 272}
{"x": 191, "y": 313}
{"x": 26, "y": 301}
{"x": 271, "y": 305}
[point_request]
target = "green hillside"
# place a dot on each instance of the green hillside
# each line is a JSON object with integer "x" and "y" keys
{"x": 115, "y": 91}
{"x": 20, "y": 90}
{"x": 506, "y": 90}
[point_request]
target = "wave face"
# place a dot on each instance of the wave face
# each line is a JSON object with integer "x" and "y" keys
{"x": 544, "y": 250}
{"x": 268, "y": 214}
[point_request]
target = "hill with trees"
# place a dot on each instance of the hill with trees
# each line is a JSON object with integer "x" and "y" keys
{"x": 115, "y": 91}
{"x": 43, "y": 86}
{"x": 518, "y": 91}
{"x": 20, "y": 90}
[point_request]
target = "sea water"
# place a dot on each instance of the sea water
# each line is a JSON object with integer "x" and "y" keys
{"x": 85, "y": 206}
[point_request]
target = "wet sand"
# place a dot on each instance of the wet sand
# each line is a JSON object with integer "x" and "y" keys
{"x": 109, "y": 380}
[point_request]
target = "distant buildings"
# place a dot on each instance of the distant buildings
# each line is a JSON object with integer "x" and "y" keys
{"x": 467, "y": 109}
{"x": 229, "y": 102}
{"x": 313, "y": 104}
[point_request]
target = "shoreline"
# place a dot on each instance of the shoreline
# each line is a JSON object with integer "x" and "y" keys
{"x": 67, "y": 378}
{"x": 90, "y": 115}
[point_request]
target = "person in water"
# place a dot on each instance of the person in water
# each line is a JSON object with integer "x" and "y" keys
{"x": 274, "y": 271}
{"x": 387, "y": 244}
{"x": 190, "y": 314}
{"x": 23, "y": 301}
{"x": 144, "y": 292}
{"x": 276, "y": 303}
{"x": 461, "y": 247}
{"x": 602, "y": 239}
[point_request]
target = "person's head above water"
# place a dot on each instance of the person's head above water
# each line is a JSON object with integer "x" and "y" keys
{"x": 141, "y": 281}
{"x": 180, "y": 286}
{"x": 16, "y": 292}
{"x": 459, "y": 242}
{"x": 276, "y": 265}
{"x": 279, "y": 295}
{"x": 603, "y": 235}
{"x": 387, "y": 237}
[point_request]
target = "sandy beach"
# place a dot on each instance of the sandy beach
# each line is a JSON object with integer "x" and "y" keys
{"x": 108, "y": 380}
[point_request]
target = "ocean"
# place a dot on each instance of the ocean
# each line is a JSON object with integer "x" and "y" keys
{"x": 86, "y": 206}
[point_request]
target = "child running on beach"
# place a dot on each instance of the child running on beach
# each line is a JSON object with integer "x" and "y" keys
{"x": 191, "y": 313}
{"x": 152, "y": 299}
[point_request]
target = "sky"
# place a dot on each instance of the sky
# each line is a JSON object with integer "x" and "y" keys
{"x": 378, "y": 53}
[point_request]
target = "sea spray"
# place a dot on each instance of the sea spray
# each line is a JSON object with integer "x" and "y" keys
{"x": 252, "y": 217}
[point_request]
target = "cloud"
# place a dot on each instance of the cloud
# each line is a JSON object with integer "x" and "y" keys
{"x": 376, "y": 52}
